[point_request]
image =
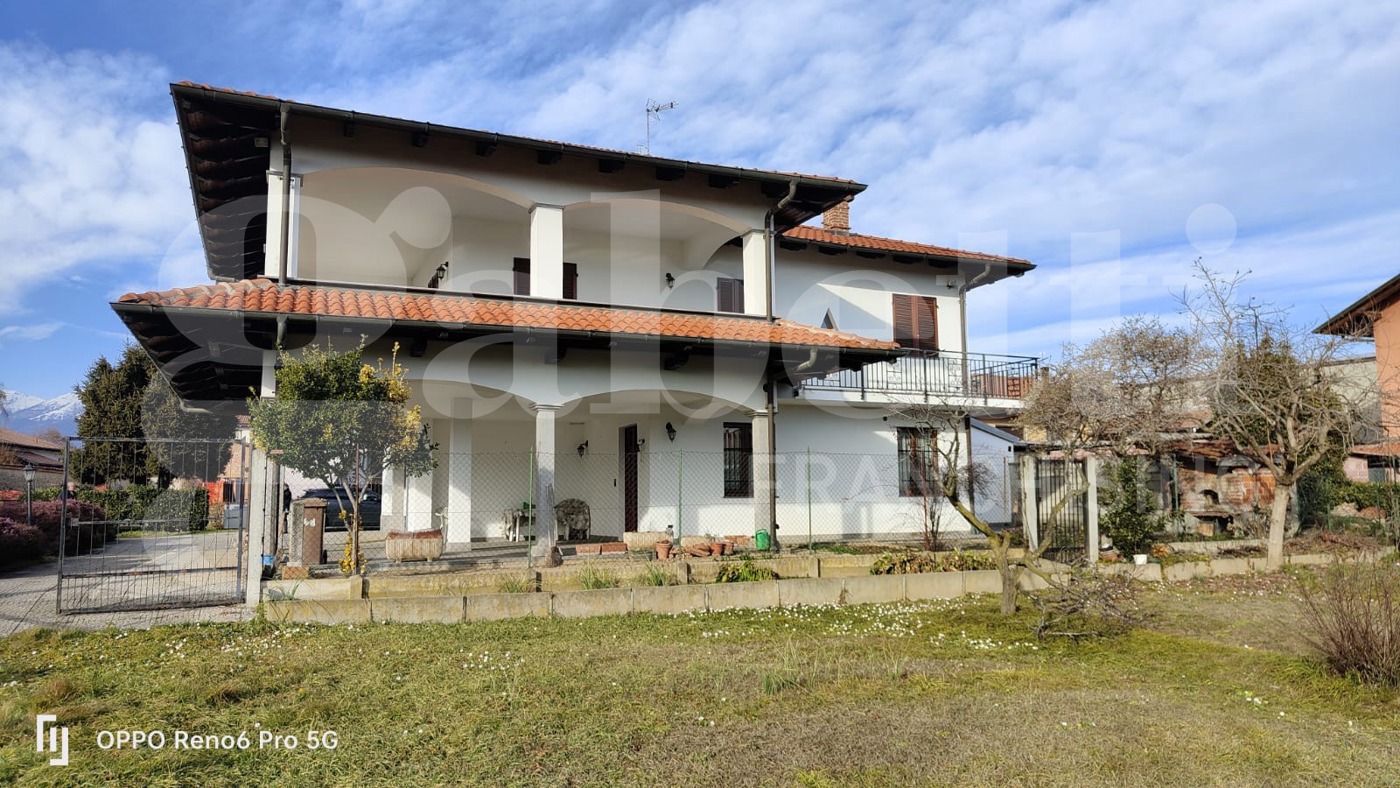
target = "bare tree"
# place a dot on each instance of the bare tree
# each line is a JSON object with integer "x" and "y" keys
{"x": 1270, "y": 388}
{"x": 950, "y": 476}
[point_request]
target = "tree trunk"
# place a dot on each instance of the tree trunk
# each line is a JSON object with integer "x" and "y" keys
{"x": 1278, "y": 523}
{"x": 1001, "y": 549}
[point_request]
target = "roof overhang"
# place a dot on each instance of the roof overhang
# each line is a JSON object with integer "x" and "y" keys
{"x": 1359, "y": 319}
{"x": 215, "y": 356}
{"x": 226, "y": 135}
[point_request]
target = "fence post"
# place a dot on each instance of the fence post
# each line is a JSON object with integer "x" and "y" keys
{"x": 1030, "y": 515}
{"x": 529, "y": 507}
{"x": 1091, "y": 510}
{"x": 810, "y": 548}
{"x": 680, "y": 490}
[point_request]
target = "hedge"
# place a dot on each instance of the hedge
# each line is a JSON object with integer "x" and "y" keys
{"x": 153, "y": 509}
{"x": 1382, "y": 495}
{"x": 20, "y": 542}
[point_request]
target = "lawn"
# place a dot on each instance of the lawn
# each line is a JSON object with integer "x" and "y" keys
{"x": 1219, "y": 689}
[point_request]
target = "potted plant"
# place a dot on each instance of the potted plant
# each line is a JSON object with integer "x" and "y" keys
{"x": 663, "y": 549}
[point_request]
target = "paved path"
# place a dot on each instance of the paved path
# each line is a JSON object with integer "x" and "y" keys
{"x": 28, "y": 596}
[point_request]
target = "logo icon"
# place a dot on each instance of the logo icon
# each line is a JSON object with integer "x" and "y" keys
{"x": 55, "y": 733}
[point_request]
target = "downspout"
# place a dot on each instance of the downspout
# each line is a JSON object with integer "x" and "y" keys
{"x": 770, "y": 387}
{"x": 286, "y": 238}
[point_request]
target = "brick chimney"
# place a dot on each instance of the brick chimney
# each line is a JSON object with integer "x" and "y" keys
{"x": 838, "y": 218}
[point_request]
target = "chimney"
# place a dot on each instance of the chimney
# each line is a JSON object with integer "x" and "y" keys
{"x": 838, "y": 218}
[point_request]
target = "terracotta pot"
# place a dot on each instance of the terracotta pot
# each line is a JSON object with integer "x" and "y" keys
{"x": 663, "y": 550}
{"x": 728, "y": 547}
{"x": 716, "y": 549}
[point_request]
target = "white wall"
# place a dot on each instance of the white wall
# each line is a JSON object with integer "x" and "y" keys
{"x": 995, "y": 460}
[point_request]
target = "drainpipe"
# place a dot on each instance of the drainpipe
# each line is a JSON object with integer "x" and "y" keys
{"x": 286, "y": 239}
{"x": 770, "y": 387}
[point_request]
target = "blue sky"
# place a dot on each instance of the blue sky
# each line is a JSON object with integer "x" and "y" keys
{"x": 1110, "y": 143}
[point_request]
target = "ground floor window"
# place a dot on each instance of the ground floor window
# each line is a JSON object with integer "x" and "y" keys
{"x": 738, "y": 460}
{"x": 918, "y": 461}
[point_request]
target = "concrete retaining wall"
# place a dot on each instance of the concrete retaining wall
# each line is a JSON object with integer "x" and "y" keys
{"x": 342, "y": 601}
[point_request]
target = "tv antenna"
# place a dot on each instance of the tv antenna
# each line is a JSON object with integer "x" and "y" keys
{"x": 654, "y": 110}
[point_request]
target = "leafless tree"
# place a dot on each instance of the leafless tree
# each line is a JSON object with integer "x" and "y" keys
{"x": 1269, "y": 387}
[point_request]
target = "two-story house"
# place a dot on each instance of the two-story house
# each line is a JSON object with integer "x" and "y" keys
{"x": 664, "y": 341}
{"x": 1374, "y": 316}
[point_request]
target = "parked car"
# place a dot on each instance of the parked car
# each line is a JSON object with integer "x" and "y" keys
{"x": 335, "y": 501}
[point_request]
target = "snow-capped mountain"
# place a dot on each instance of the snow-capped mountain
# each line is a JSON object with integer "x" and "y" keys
{"x": 31, "y": 414}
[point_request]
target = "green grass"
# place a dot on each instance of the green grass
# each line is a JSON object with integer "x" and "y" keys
{"x": 1216, "y": 691}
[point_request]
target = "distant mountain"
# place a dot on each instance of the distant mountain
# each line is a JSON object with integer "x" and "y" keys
{"x": 31, "y": 414}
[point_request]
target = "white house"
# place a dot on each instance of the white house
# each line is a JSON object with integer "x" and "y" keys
{"x": 663, "y": 340}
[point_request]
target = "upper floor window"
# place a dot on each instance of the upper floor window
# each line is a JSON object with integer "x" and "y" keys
{"x": 729, "y": 294}
{"x": 918, "y": 462}
{"x": 521, "y": 270}
{"x": 916, "y": 321}
{"x": 738, "y": 460}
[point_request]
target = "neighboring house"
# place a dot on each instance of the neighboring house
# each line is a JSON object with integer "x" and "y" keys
{"x": 663, "y": 340}
{"x": 1376, "y": 316}
{"x": 18, "y": 450}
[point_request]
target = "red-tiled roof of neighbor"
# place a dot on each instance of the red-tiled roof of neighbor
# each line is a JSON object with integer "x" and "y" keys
{"x": 1390, "y": 449}
{"x": 265, "y": 296}
{"x": 12, "y": 438}
{"x": 817, "y": 235}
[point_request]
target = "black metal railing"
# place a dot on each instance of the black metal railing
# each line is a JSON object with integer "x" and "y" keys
{"x": 938, "y": 373}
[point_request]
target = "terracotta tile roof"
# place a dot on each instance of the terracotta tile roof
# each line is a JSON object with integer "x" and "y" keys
{"x": 876, "y": 243}
{"x": 262, "y": 295}
{"x": 13, "y": 438}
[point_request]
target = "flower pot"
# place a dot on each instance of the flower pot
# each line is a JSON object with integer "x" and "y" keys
{"x": 716, "y": 549}
{"x": 402, "y": 546}
{"x": 663, "y": 550}
{"x": 1140, "y": 559}
{"x": 728, "y": 547}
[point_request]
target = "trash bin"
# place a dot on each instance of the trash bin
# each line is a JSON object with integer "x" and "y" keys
{"x": 761, "y": 540}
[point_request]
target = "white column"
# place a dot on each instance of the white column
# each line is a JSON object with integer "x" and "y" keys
{"x": 547, "y": 251}
{"x": 762, "y": 472}
{"x": 418, "y": 508}
{"x": 262, "y": 518}
{"x": 1091, "y": 509}
{"x": 459, "y": 480}
{"x": 756, "y": 273}
{"x": 391, "y": 501}
{"x": 545, "y": 491}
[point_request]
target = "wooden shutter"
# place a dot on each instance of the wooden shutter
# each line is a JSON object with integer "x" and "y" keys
{"x": 730, "y": 295}
{"x": 571, "y": 281}
{"x": 522, "y": 276}
{"x": 916, "y": 321}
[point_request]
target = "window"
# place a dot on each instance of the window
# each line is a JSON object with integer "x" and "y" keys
{"x": 730, "y": 294}
{"x": 917, "y": 461}
{"x": 521, "y": 269}
{"x": 738, "y": 460}
{"x": 916, "y": 321}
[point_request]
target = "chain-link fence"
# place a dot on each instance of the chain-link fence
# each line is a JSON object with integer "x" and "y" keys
{"x": 146, "y": 524}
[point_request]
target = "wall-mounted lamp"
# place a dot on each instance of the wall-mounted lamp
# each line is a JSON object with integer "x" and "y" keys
{"x": 640, "y": 443}
{"x": 670, "y": 432}
{"x": 670, "y": 280}
{"x": 583, "y": 448}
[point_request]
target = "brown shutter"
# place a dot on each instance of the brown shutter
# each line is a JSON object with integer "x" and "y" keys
{"x": 571, "y": 281}
{"x": 730, "y": 294}
{"x": 522, "y": 276}
{"x": 916, "y": 321}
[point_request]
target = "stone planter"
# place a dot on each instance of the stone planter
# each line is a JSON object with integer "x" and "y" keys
{"x": 400, "y": 546}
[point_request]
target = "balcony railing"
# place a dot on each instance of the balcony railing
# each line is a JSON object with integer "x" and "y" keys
{"x": 941, "y": 373}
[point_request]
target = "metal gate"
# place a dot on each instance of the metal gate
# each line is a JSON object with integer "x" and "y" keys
{"x": 1062, "y": 504}
{"x": 152, "y": 524}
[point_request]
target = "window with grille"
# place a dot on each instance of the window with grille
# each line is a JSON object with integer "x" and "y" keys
{"x": 918, "y": 461}
{"x": 916, "y": 321}
{"x": 738, "y": 460}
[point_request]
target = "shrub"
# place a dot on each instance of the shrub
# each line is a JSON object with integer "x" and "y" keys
{"x": 656, "y": 576}
{"x": 1354, "y": 614}
{"x": 516, "y": 584}
{"x": 745, "y": 571}
{"x": 85, "y": 524}
{"x": 1130, "y": 515}
{"x": 965, "y": 561}
{"x": 904, "y": 562}
{"x": 20, "y": 542}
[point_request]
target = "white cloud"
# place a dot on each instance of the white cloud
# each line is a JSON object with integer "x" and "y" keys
{"x": 29, "y": 333}
{"x": 90, "y": 180}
